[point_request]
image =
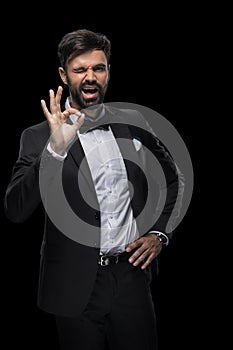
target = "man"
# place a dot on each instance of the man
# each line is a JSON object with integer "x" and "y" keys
{"x": 88, "y": 164}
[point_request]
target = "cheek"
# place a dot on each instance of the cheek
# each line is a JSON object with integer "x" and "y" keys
{"x": 76, "y": 85}
{"x": 75, "y": 80}
{"x": 105, "y": 80}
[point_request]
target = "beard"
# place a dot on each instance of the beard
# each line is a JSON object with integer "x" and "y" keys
{"x": 81, "y": 101}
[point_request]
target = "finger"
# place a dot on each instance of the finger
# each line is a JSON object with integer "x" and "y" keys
{"x": 79, "y": 122}
{"x": 58, "y": 94}
{"x": 53, "y": 104}
{"x": 45, "y": 109}
{"x": 58, "y": 98}
{"x": 139, "y": 256}
{"x": 51, "y": 100}
{"x": 153, "y": 253}
{"x": 72, "y": 110}
{"x": 134, "y": 245}
{"x": 137, "y": 253}
{"x": 64, "y": 115}
{"x": 148, "y": 261}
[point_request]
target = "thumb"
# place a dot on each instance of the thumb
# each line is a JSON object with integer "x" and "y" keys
{"x": 79, "y": 122}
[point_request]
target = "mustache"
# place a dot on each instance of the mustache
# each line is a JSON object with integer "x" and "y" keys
{"x": 93, "y": 84}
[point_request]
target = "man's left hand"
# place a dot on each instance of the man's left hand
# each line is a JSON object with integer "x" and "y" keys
{"x": 147, "y": 248}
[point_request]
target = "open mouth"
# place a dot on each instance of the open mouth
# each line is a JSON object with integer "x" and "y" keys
{"x": 90, "y": 92}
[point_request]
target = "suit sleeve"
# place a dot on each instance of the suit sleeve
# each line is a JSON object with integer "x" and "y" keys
{"x": 167, "y": 208}
{"x": 22, "y": 194}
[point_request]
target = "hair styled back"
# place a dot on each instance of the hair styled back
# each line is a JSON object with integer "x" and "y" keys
{"x": 80, "y": 41}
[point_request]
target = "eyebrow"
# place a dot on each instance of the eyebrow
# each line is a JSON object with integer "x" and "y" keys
{"x": 98, "y": 65}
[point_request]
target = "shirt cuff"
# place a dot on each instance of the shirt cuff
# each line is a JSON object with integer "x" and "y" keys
{"x": 55, "y": 155}
{"x": 161, "y": 234}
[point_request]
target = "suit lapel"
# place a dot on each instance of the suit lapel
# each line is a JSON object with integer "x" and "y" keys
{"x": 77, "y": 152}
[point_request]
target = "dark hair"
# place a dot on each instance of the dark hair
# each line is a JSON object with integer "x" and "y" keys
{"x": 80, "y": 41}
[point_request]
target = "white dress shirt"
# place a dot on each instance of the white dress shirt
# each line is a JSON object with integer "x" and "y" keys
{"x": 118, "y": 226}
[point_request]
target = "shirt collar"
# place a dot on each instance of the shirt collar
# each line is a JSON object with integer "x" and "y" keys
{"x": 89, "y": 123}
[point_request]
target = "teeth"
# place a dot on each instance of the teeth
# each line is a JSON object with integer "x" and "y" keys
{"x": 89, "y": 90}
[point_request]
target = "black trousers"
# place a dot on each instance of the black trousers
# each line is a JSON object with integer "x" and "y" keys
{"x": 120, "y": 311}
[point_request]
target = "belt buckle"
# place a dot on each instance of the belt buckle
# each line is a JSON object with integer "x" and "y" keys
{"x": 104, "y": 260}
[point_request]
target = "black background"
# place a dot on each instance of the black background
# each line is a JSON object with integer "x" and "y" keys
{"x": 157, "y": 61}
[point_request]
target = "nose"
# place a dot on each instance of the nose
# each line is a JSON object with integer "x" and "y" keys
{"x": 90, "y": 75}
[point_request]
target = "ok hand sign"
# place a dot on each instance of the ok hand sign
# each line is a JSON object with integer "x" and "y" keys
{"x": 62, "y": 134}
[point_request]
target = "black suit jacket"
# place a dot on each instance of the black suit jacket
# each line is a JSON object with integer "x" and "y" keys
{"x": 68, "y": 266}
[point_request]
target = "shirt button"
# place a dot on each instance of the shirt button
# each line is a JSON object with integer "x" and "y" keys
{"x": 97, "y": 215}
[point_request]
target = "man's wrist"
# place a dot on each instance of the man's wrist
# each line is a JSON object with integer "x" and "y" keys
{"x": 54, "y": 154}
{"x": 161, "y": 236}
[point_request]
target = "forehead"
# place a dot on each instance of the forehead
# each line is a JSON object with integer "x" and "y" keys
{"x": 89, "y": 58}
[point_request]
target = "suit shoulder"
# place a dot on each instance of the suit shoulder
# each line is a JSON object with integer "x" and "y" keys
{"x": 40, "y": 130}
{"x": 38, "y": 134}
{"x": 39, "y": 127}
{"x": 126, "y": 115}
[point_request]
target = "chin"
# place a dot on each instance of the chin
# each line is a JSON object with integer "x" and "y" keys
{"x": 91, "y": 102}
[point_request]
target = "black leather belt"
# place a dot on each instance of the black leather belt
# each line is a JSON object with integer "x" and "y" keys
{"x": 105, "y": 260}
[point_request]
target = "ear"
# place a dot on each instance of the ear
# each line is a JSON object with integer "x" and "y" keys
{"x": 62, "y": 74}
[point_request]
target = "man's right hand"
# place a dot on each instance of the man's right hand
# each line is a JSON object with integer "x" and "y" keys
{"x": 62, "y": 134}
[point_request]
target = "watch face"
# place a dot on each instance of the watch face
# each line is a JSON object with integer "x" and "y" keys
{"x": 162, "y": 238}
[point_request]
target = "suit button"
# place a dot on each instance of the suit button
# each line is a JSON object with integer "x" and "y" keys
{"x": 97, "y": 215}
